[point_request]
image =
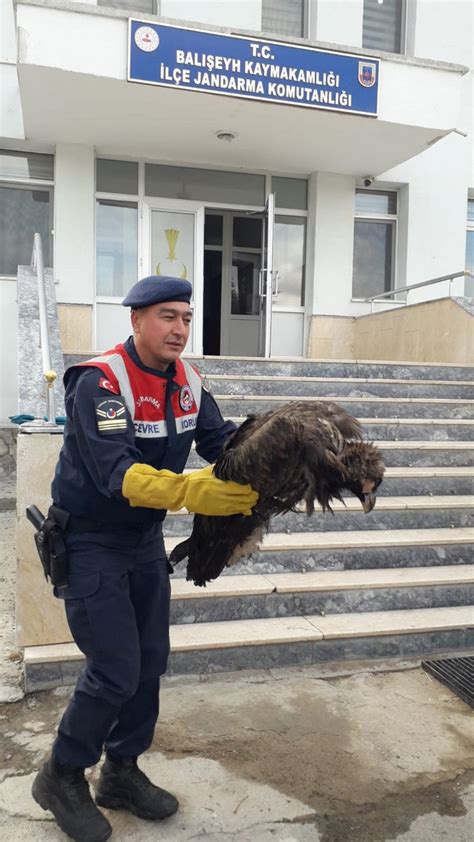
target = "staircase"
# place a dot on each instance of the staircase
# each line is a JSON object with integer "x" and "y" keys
{"x": 398, "y": 582}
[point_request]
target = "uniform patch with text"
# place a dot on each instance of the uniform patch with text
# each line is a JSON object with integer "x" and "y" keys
{"x": 111, "y": 415}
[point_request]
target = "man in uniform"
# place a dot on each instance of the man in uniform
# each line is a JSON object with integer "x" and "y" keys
{"x": 132, "y": 415}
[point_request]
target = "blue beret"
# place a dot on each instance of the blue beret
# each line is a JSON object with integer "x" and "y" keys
{"x": 156, "y": 289}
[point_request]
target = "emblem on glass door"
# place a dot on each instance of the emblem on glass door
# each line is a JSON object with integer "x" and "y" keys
{"x": 171, "y": 265}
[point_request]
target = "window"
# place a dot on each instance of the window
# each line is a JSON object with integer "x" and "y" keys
{"x": 469, "y": 283}
{"x": 23, "y": 213}
{"x": 375, "y": 229}
{"x": 383, "y": 25}
{"x": 26, "y": 208}
{"x": 116, "y": 176}
{"x": 205, "y": 185}
{"x": 282, "y": 17}
{"x": 150, "y": 7}
{"x": 28, "y": 166}
{"x": 290, "y": 192}
{"x": 285, "y": 17}
{"x": 116, "y": 247}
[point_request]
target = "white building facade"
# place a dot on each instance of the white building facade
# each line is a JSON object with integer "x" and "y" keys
{"x": 279, "y": 210}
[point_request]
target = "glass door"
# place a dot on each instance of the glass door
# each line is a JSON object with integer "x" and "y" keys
{"x": 268, "y": 279}
{"x": 238, "y": 252}
{"x": 244, "y": 265}
{"x": 173, "y": 245}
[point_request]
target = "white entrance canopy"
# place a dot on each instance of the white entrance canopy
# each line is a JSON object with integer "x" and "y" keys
{"x": 73, "y": 82}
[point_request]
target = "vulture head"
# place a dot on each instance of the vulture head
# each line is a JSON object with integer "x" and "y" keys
{"x": 301, "y": 452}
{"x": 365, "y": 470}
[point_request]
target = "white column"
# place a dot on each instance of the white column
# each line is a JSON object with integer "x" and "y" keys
{"x": 11, "y": 114}
{"x": 333, "y": 232}
{"x": 74, "y": 214}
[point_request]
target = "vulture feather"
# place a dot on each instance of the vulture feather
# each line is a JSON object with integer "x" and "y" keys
{"x": 302, "y": 451}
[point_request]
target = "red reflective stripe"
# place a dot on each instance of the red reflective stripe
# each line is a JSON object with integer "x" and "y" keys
{"x": 148, "y": 390}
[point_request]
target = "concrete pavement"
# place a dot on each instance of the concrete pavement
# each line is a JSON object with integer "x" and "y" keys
{"x": 362, "y": 752}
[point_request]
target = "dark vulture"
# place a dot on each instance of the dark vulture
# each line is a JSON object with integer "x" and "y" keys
{"x": 303, "y": 451}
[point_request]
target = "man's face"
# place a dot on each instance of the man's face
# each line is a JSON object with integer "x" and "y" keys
{"x": 161, "y": 332}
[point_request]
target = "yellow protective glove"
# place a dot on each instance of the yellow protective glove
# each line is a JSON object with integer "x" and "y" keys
{"x": 199, "y": 492}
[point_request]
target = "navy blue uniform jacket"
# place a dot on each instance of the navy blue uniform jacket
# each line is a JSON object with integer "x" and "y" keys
{"x": 91, "y": 467}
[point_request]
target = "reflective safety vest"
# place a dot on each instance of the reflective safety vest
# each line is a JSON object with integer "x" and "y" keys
{"x": 146, "y": 395}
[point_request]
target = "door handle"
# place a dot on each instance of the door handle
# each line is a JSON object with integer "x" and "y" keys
{"x": 275, "y": 283}
{"x": 262, "y": 283}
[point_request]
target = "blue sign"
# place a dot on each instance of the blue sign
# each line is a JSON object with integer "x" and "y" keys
{"x": 253, "y": 68}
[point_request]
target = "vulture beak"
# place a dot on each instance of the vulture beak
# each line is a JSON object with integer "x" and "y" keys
{"x": 368, "y": 502}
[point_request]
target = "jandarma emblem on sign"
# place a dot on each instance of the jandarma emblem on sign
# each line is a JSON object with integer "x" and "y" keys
{"x": 367, "y": 74}
{"x": 252, "y": 68}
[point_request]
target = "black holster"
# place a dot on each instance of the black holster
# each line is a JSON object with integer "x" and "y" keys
{"x": 49, "y": 540}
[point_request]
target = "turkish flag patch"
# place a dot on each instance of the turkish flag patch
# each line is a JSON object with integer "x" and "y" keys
{"x": 106, "y": 384}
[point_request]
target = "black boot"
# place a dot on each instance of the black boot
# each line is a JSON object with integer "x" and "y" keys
{"x": 122, "y": 785}
{"x": 65, "y": 791}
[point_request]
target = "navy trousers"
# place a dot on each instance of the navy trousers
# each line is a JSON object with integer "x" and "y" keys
{"x": 117, "y": 607}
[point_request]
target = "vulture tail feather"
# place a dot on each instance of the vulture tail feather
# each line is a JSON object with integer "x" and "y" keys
{"x": 180, "y": 551}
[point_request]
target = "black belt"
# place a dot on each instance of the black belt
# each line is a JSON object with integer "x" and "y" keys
{"x": 82, "y": 524}
{"x": 73, "y": 523}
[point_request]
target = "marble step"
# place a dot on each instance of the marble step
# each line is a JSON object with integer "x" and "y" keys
{"x": 427, "y": 481}
{"x": 303, "y": 366}
{"x": 408, "y": 429}
{"x": 317, "y": 387}
{"x": 424, "y": 454}
{"x": 338, "y": 592}
{"x": 280, "y": 641}
{"x": 389, "y": 513}
{"x": 401, "y": 408}
{"x": 303, "y": 552}
{"x": 332, "y": 368}
{"x": 412, "y": 454}
{"x": 428, "y": 430}
{"x": 433, "y": 481}
{"x": 419, "y": 481}
{"x": 307, "y": 639}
